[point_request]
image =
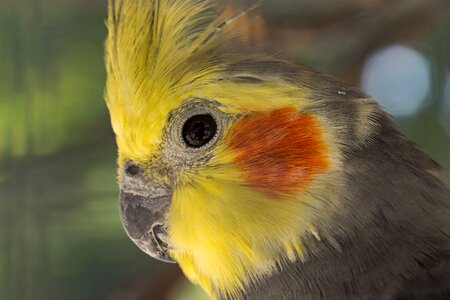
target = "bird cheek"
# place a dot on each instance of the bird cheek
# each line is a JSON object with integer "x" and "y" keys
{"x": 280, "y": 151}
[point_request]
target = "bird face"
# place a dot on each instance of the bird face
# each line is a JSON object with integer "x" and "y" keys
{"x": 224, "y": 191}
{"x": 224, "y": 159}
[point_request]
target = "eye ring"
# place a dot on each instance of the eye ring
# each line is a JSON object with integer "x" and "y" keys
{"x": 198, "y": 130}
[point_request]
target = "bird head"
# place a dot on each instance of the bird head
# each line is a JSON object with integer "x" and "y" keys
{"x": 228, "y": 159}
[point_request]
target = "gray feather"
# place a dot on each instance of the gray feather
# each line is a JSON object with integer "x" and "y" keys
{"x": 391, "y": 237}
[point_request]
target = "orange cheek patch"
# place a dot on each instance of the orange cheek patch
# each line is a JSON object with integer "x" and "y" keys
{"x": 279, "y": 151}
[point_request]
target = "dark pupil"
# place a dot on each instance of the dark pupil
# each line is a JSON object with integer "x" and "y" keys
{"x": 199, "y": 130}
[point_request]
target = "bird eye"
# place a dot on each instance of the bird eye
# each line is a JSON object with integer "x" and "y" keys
{"x": 198, "y": 130}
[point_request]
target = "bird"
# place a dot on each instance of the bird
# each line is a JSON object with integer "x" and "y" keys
{"x": 260, "y": 177}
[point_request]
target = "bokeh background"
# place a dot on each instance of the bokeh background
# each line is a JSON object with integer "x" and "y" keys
{"x": 60, "y": 234}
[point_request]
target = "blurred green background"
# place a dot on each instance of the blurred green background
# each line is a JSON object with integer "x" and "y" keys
{"x": 60, "y": 233}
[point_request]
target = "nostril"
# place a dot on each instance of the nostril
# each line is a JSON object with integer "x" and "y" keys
{"x": 132, "y": 170}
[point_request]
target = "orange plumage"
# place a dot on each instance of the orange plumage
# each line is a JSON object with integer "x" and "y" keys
{"x": 279, "y": 151}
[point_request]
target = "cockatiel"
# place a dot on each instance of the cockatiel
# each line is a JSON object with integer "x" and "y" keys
{"x": 261, "y": 178}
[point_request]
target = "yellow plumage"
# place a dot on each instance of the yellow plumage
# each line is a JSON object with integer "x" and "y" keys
{"x": 158, "y": 55}
{"x": 153, "y": 62}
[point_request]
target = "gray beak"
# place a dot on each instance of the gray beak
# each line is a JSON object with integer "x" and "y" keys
{"x": 143, "y": 218}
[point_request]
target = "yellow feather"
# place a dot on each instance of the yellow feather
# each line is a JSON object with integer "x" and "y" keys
{"x": 153, "y": 62}
{"x": 221, "y": 239}
{"x": 158, "y": 54}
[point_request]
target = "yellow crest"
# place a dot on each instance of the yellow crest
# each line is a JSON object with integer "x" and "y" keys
{"x": 156, "y": 53}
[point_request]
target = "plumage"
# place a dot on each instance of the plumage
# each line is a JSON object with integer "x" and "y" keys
{"x": 303, "y": 188}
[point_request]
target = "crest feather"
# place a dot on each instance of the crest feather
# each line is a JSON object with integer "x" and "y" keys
{"x": 155, "y": 40}
{"x": 158, "y": 52}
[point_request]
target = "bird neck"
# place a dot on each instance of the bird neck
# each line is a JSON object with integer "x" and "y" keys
{"x": 350, "y": 268}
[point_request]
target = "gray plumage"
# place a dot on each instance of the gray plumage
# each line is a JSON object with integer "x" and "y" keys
{"x": 390, "y": 239}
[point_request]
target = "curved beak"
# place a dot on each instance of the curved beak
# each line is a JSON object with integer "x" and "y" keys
{"x": 143, "y": 218}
